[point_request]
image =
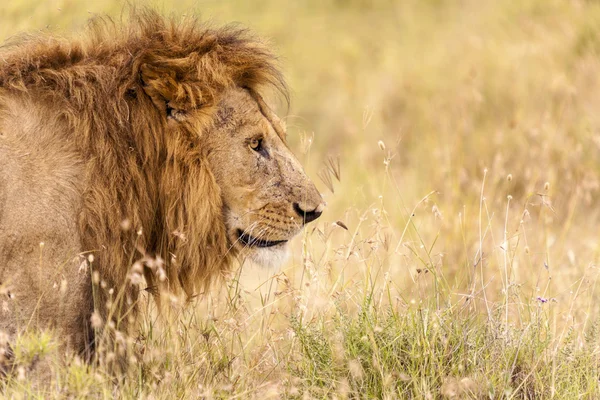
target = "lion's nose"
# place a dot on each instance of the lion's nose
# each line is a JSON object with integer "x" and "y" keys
{"x": 309, "y": 216}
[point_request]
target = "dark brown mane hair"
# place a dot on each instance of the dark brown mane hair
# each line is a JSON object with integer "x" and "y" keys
{"x": 116, "y": 88}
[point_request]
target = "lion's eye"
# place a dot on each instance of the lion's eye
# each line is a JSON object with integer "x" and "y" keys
{"x": 256, "y": 144}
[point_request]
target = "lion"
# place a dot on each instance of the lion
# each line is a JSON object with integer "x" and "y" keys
{"x": 141, "y": 148}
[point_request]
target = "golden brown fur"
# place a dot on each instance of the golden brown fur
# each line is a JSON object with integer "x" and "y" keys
{"x": 117, "y": 145}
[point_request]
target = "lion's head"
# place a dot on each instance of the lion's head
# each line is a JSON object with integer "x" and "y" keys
{"x": 267, "y": 197}
{"x": 208, "y": 96}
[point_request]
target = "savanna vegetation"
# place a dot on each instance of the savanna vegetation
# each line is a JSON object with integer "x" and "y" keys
{"x": 457, "y": 145}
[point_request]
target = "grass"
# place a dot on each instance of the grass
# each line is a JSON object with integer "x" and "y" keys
{"x": 467, "y": 137}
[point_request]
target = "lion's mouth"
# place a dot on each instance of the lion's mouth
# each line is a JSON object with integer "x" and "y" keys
{"x": 251, "y": 241}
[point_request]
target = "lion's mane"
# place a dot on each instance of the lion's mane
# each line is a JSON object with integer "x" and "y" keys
{"x": 106, "y": 87}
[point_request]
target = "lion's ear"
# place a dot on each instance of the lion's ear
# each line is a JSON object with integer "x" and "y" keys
{"x": 169, "y": 93}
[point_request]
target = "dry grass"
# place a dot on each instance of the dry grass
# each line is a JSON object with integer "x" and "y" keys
{"x": 459, "y": 144}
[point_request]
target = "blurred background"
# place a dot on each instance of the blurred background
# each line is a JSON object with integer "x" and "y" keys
{"x": 457, "y": 141}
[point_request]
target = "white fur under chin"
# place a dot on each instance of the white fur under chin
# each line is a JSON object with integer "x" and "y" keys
{"x": 271, "y": 258}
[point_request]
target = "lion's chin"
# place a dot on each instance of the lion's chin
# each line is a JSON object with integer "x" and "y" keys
{"x": 269, "y": 257}
{"x": 268, "y": 254}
